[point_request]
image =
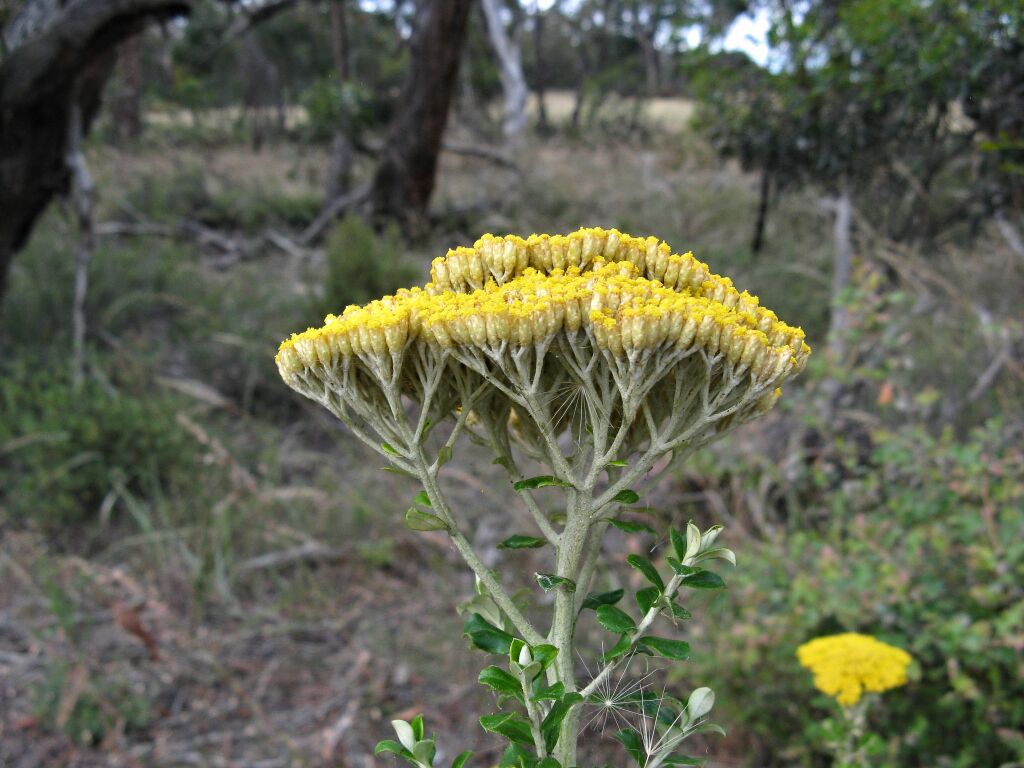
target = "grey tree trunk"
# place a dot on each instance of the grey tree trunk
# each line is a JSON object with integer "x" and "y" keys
{"x": 54, "y": 52}
{"x": 510, "y": 71}
{"x": 540, "y": 69}
{"x": 339, "y": 173}
{"x": 842, "y": 266}
{"x": 81, "y": 201}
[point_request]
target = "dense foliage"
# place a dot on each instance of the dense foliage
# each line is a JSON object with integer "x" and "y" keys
{"x": 897, "y": 100}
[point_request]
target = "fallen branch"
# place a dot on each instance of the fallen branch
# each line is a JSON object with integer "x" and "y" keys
{"x": 185, "y": 229}
{"x": 483, "y": 153}
{"x": 309, "y": 552}
{"x": 332, "y": 210}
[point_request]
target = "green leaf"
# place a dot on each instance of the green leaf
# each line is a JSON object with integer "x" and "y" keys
{"x": 517, "y": 757}
{"x": 678, "y": 612}
{"x": 551, "y": 693}
{"x": 417, "y": 727}
{"x": 627, "y": 526}
{"x": 501, "y": 681}
{"x": 549, "y": 581}
{"x": 486, "y": 636}
{"x": 462, "y": 759}
{"x": 515, "y": 728}
{"x": 634, "y": 746}
{"x": 618, "y": 463}
{"x": 596, "y": 599}
{"x": 397, "y": 471}
{"x": 549, "y": 762}
{"x": 700, "y": 703}
{"x": 519, "y": 541}
{"x": 646, "y": 598}
{"x": 418, "y": 520}
{"x": 544, "y": 654}
{"x": 553, "y": 721}
{"x": 646, "y": 567}
{"x": 424, "y": 751}
{"x": 624, "y": 644}
{"x": 422, "y": 499}
{"x": 678, "y": 543}
{"x": 663, "y": 646}
{"x": 390, "y": 450}
{"x": 703, "y": 580}
{"x": 541, "y": 481}
{"x": 627, "y": 496}
{"x": 615, "y": 620}
{"x": 682, "y": 760}
{"x": 389, "y": 745}
{"x": 708, "y": 728}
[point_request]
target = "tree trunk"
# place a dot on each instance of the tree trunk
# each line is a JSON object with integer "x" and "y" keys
{"x": 126, "y": 106}
{"x": 841, "y": 269}
{"x": 586, "y": 66}
{"x": 81, "y": 201}
{"x": 510, "y": 70}
{"x": 339, "y": 172}
{"x": 74, "y": 47}
{"x": 339, "y": 40}
{"x": 540, "y": 86}
{"x": 405, "y": 176}
{"x": 842, "y": 266}
{"x": 650, "y": 61}
{"x": 762, "y": 212}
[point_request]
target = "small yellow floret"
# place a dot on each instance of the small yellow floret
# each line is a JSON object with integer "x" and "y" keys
{"x": 849, "y": 665}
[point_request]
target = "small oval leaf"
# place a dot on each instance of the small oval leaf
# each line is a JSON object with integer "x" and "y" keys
{"x": 663, "y": 646}
{"x": 647, "y": 568}
{"x": 627, "y": 496}
{"x": 615, "y": 620}
{"x": 519, "y": 541}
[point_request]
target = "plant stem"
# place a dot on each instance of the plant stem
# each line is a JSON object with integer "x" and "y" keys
{"x": 464, "y": 548}
{"x": 563, "y": 626}
{"x": 535, "y": 720}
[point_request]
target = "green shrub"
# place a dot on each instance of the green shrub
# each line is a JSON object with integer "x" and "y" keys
{"x": 66, "y": 454}
{"x": 920, "y": 546}
{"x": 362, "y": 265}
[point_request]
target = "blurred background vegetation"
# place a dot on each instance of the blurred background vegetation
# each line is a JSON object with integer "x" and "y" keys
{"x": 198, "y": 568}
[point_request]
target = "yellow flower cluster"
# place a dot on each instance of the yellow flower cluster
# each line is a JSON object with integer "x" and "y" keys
{"x": 848, "y": 665}
{"x": 628, "y": 293}
{"x": 503, "y": 258}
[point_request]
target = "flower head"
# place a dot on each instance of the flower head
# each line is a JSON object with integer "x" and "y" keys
{"x": 849, "y": 665}
{"x": 621, "y": 319}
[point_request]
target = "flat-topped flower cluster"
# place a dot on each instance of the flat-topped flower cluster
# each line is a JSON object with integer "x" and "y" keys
{"x": 848, "y": 665}
{"x": 626, "y": 293}
{"x": 582, "y": 332}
